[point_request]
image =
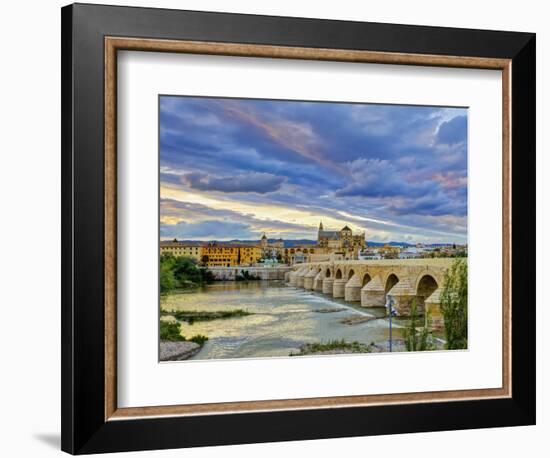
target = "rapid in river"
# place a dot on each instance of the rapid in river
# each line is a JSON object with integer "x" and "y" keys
{"x": 282, "y": 319}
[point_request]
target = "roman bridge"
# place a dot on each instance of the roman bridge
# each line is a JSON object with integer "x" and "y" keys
{"x": 369, "y": 282}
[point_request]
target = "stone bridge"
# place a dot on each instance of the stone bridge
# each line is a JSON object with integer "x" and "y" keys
{"x": 369, "y": 282}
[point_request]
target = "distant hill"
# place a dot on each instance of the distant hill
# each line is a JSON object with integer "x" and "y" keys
{"x": 404, "y": 244}
{"x": 289, "y": 243}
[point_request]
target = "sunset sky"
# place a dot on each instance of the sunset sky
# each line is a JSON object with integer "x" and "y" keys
{"x": 236, "y": 168}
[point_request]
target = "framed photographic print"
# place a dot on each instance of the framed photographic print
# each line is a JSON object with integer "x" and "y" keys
{"x": 282, "y": 228}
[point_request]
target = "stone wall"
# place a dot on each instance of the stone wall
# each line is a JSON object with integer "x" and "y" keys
{"x": 265, "y": 273}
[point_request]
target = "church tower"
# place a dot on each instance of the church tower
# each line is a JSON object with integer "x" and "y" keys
{"x": 263, "y": 242}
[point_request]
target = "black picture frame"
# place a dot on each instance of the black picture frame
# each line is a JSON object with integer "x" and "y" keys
{"x": 84, "y": 428}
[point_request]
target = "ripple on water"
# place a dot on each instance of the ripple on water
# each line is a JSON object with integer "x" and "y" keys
{"x": 283, "y": 319}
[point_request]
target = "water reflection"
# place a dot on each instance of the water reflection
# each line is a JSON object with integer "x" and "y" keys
{"x": 283, "y": 319}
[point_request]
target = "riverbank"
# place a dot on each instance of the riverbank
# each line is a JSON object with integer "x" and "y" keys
{"x": 178, "y": 351}
{"x": 334, "y": 347}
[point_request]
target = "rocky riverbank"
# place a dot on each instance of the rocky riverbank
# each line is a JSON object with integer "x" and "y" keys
{"x": 178, "y": 351}
{"x": 333, "y": 347}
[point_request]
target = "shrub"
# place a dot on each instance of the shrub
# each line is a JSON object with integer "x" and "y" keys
{"x": 454, "y": 305}
{"x": 199, "y": 339}
{"x": 170, "y": 331}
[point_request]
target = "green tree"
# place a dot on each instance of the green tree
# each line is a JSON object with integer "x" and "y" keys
{"x": 415, "y": 340}
{"x": 170, "y": 331}
{"x": 181, "y": 272}
{"x": 207, "y": 276}
{"x": 186, "y": 270}
{"x": 167, "y": 278}
{"x": 454, "y": 305}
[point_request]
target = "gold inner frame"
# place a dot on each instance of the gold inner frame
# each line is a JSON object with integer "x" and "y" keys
{"x": 114, "y": 44}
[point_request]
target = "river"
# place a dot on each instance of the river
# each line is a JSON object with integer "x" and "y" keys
{"x": 283, "y": 319}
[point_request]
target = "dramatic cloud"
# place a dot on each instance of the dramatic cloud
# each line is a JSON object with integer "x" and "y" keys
{"x": 260, "y": 183}
{"x": 206, "y": 230}
{"x": 437, "y": 204}
{"x": 177, "y": 213}
{"x": 397, "y": 172}
{"x": 453, "y": 131}
{"x": 381, "y": 178}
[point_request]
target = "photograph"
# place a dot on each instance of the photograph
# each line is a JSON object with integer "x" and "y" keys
{"x": 293, "y": 228}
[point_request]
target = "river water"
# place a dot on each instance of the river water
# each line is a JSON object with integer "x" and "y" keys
{"x": 283, "y": 319}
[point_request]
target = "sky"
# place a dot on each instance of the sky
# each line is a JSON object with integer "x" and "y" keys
{"x": 238, "y": 168}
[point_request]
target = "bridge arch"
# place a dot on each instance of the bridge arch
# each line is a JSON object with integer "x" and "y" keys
{"x": 327, "y": 272}
{"x": 338, "y": 274}
{"x": 366, "y": 278}
{"x": 426, "y": 285}
{"x": 351, "y": 273}
{"x": 391, "y": 281}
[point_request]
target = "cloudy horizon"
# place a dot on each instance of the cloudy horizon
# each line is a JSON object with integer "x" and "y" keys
{"x": 238, "y": 168}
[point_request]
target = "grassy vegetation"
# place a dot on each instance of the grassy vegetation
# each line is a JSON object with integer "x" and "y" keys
{"x": 418, "y": 340}
{"x": 171, "y": 331}
{"x": 190, "y": 316}
{"x": 181, "y": 272}
{"x": 333, "y": 346}
{"x": 199, "y": 339}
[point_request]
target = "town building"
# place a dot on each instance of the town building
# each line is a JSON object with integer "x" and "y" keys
{"x": 298, "y": 254}
{"x": 390, "y": 251}
{"x": 343, "y": 241}
{"x": 225, "y": 255}
{"x": 273, "y": 249}
{"x": 177, "y": 248}
{"x": 249, "y": 254}
{"x": 369, "y": 254}
{"x": 412, "y": 252}
{"x": 219, "y": 255}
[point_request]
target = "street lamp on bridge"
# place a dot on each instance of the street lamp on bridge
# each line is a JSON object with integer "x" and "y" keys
{"x": 391, "y": 311}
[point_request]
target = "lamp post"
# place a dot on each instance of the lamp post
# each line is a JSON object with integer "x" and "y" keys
{"x": 391, "y": 311}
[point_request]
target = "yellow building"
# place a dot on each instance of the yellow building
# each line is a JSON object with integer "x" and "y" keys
{"x": 250, "y": 254}
{"x": 214, "y": 255}
{"x": 219, "y": 255}
{"x": 190, "y": 250}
